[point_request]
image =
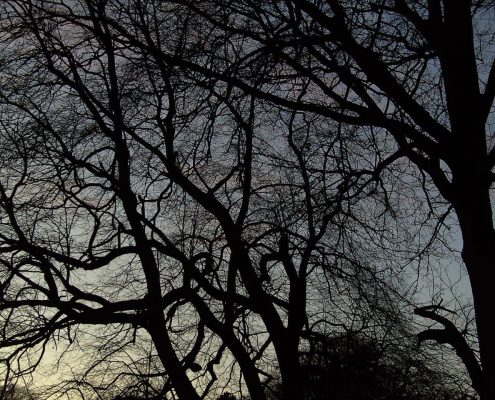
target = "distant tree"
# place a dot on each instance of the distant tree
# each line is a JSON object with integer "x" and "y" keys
{"x": 227, "y": 396}
{"x": 354, "y": 368}
{"x": 16, "y": 392}
{"x": 129, "y": 397}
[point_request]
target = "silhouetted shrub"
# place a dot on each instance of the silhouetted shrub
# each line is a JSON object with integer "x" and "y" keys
{"x": 359, "y": 369}
{"x": 226, "y": 396}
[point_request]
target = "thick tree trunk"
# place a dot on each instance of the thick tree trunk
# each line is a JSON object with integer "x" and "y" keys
{"x": 168, "y": 357}
{"x": 475, "y": 218}
{"x": 292, "y": 384}
{"x": 479, "y": 256}
{"x": 483, "y": 302}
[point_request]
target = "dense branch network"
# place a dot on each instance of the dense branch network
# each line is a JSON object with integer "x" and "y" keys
{"x": 225, "y": 182}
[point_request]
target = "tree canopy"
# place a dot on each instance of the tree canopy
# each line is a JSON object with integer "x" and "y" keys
{"x": 191, "y": 192}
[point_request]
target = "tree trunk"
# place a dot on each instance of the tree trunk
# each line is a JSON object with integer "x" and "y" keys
{"x": 479, "y": 256}
{"x": 168, "y": 357}
{"x": 475, "y": 218}
{"x": 292, "y": 381}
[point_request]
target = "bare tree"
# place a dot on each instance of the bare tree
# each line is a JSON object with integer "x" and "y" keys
{"x": 354, "y": 367}
{"x": 418, "y": 72}
{"x": 155, "y": 188}
{"x": 139, "y": 197}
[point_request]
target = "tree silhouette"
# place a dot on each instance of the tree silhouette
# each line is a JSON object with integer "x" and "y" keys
{"x": 140, "y": 201}
{"x": 420, "y": 74}
{"x": 226, "y": 396}
{"x": 357, "y": 368}
{"x": 195, "y": 175}
{"x": 16, "y": 392}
